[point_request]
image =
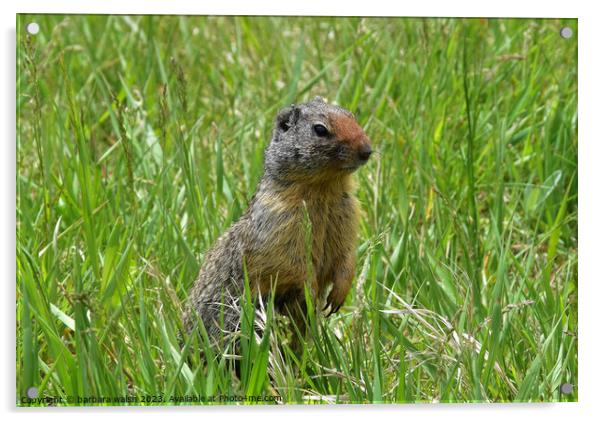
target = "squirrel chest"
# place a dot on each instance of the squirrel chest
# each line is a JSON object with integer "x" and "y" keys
{"x": 280, "y": 221}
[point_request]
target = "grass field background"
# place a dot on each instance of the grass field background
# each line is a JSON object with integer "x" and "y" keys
{"x": 140, "y": 141}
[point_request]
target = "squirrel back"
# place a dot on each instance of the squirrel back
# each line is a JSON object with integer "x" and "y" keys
{"x": 315, "y": 149}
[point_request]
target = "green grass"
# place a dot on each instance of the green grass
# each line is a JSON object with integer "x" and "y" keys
{"x": 140, "y": 140}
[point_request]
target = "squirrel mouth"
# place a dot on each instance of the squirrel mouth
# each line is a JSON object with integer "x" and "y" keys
{"x": 352, "y": 167}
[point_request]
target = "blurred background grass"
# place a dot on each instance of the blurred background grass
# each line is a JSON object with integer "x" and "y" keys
{"x": 140, "y": 140}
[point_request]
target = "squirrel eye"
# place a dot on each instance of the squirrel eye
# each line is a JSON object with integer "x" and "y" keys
{"x": 320, "y": 130}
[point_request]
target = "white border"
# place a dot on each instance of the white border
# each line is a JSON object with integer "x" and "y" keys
{"x": 590, "y": 211}
{"x": 523, "y": 8}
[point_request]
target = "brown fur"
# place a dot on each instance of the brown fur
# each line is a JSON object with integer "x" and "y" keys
{"x": 334, "y": 215}
{"x": 347, "y": 130}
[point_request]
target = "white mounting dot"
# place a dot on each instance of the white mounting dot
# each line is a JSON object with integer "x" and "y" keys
{"x": 566, "y": 32}
{"x": 33, "y": 28}
{"x": 566, "y": 388}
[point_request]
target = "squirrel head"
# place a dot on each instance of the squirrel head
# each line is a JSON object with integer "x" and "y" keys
{"x": 315, "y": 141}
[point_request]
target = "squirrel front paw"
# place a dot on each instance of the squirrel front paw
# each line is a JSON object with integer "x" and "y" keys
{"x": 336, "y": 297}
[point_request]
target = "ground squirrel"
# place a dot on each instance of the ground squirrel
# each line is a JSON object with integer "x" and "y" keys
{"x": 314, "y": 150}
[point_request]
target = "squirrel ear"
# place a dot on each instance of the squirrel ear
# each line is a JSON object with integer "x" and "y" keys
{"x": 287, "y": 117}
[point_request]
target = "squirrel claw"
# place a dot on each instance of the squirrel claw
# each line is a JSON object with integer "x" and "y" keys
{"x": 333, "y": 310}
{"x": 333, "y": 301}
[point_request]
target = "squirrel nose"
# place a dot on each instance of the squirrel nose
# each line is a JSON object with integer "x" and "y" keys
{"x": 364, "y": 152}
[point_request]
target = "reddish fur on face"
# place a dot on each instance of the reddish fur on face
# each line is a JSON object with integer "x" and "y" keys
{"x": 346, "y": 129}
